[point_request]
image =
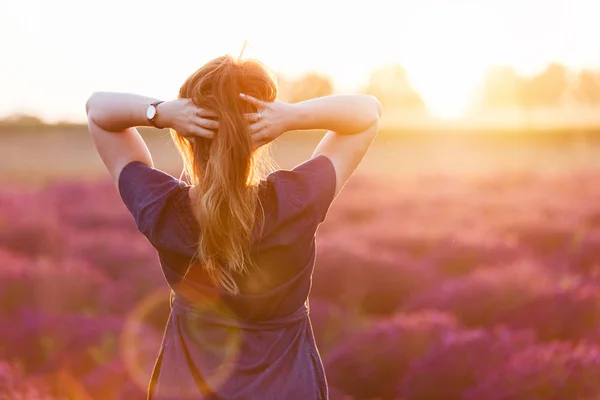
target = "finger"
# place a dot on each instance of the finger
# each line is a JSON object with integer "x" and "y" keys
{"x": 202, "y": 112}
{"x": 261, "y": 136}
{"x": 252, "y": 117}
{"x": 258, "y": 144}
{"x": 200, "y": 132}
{"x": 205, "y": 133}
{"x": 257, "y": 138}
{"x": 206, "y": 123}
{"x": 252, "y": 100}
{"x": 256, "y": 127}
{"x": 260, "y": 140}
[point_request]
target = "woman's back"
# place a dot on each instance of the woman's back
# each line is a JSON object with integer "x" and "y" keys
{"x": 235, "y": 345}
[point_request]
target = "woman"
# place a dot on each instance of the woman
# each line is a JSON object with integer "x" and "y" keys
{"x": 236, "y": 247}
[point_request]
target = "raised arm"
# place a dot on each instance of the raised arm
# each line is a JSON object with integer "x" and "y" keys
{"x": 352, "y": 122}
{"x": 112, "y": 118}
{"x": 343, "y": 114}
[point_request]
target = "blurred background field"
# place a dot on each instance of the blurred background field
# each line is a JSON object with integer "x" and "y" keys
{"x": 453, "y": 266}
{"x": 37, "y": 154}
{"x": 461, "y": 262}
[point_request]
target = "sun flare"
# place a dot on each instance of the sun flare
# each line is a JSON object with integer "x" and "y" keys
{"x": 451, "y": 49}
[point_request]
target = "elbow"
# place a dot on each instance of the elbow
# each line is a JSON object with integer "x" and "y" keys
{"x": 91, "y": 106}
{"x": 376, "y": 109}
{"x": 377, "y": 106}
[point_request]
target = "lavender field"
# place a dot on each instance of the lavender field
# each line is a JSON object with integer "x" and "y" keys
{"x": 427, "y": 286}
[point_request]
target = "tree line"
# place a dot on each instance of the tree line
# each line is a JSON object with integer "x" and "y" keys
{"x": 556, "y": 86}
{"x": 501, "y": 88}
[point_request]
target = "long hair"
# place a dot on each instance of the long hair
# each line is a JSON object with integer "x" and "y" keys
{"x": 226, "y": 169}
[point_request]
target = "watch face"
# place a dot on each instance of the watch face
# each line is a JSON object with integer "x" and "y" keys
{"x": 150, "y": 112}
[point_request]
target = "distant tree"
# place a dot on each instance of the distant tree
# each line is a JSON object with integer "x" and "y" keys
{"x": 501, "y": 88}
{"x": 306, "y": 87}
{"x": 391, "y": 86}
{"x": 283, "y": 87}
{"x": 547, "y": 89}
{"x": 504, "y": 88}
{"x": 22, "y": 120}
{"x": 587, "y": 87}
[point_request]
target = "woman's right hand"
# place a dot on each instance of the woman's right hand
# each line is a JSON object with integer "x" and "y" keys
{"x": 187, "y": 118}
{"x": 272, "y": 120}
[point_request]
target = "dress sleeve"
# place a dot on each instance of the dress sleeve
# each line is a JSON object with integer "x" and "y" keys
{"x": 145, "y": 192}
{"x": 309, "y": 187}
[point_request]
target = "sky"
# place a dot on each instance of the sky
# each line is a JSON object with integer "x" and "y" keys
{"x": 54, "y": 54}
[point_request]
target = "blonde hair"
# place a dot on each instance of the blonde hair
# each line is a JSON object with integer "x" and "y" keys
{"x": 226, "y": 169}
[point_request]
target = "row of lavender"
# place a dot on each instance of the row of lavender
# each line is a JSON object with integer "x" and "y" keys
{"x": 426, "y": 288}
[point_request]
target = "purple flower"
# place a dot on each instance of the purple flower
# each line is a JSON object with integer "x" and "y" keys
{"x": 369, "y": 363}
{"x": 544, "y": 372}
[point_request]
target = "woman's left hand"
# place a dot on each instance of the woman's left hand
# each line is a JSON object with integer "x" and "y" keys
{"x": 272, "y": 120}
{"x": 186, "y": 118}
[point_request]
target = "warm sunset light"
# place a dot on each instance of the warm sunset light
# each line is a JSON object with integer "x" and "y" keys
{"x": 450, "y": 48}
{"x": 445, "y": 47}
{"x": 403, "y": 204}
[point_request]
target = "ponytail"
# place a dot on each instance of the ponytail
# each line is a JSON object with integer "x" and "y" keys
{"x": 224, "y": 169}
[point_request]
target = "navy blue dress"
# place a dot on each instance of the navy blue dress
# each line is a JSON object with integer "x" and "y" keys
{"x": 255, "y": 345}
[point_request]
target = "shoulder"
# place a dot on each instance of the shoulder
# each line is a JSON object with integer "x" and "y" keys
{"x": 317, "y": 170}
{"x": 309, "y": 187}
{"x": 138, "y": 176}
{"x": 146, "y": 192}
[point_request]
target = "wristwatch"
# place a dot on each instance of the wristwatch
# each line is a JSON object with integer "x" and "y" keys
{"x": 152, "y": 113}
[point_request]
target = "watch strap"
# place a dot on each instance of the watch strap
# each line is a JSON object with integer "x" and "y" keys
{"x": 153, "y": 119}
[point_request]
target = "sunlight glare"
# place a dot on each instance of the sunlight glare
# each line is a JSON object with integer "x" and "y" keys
{"x": 444, "y": 46}
{"x": 452, "y": 47}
